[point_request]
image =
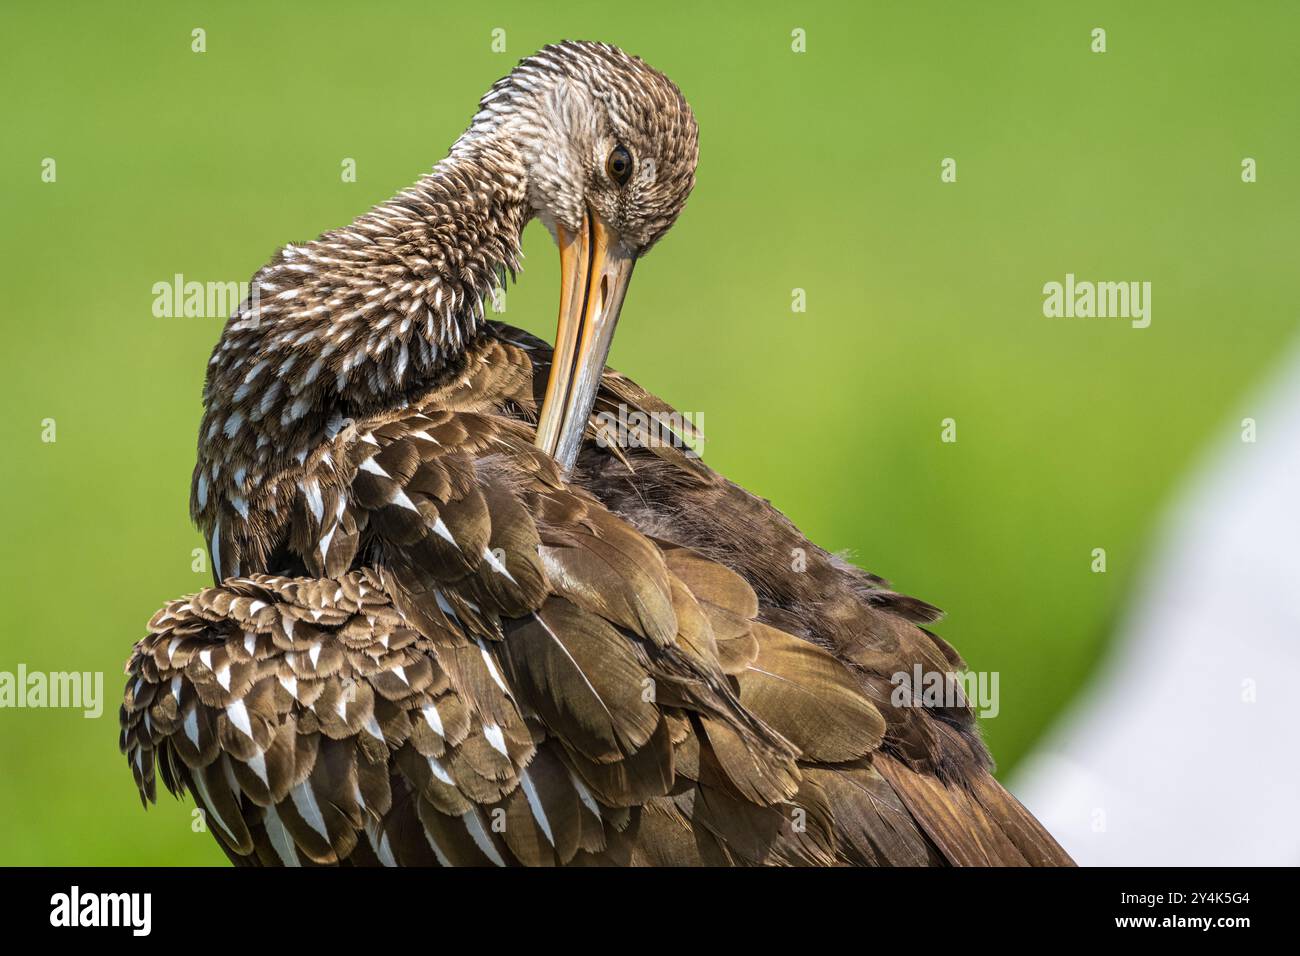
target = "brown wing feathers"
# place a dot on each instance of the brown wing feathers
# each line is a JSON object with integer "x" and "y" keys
{"x": 482, "y": 665}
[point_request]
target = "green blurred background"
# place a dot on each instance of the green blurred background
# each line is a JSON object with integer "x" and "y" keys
{"x": 818, "y": 171}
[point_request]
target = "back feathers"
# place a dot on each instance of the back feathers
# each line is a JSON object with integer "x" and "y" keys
{"x": 442, "y": 652}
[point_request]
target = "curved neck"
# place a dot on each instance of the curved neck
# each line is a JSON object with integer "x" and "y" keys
{"x": 358, "y": 319}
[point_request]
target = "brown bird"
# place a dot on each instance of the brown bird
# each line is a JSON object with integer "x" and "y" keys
{"x": 454, "y": 623}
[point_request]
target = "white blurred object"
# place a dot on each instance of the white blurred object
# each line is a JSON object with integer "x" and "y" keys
{"x": 1166, "y": 761}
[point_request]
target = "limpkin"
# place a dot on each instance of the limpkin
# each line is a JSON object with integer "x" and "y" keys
{"x": 450, "y": 626}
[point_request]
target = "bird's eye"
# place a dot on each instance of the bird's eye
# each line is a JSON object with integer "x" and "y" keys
{"x": 619, "y": 165}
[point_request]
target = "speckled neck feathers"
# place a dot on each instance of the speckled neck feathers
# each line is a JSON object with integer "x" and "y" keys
{"x": 359, "y": 319}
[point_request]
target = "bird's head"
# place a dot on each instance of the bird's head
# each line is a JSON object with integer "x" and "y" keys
{"x": 609, "y": 147}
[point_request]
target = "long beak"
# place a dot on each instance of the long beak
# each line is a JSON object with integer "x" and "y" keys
{"x": 595, "y": 270}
